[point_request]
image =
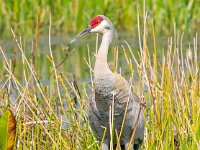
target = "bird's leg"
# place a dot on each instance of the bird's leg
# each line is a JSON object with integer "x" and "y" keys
{"x": 127, "y": 147}
{"x": 105, "y": 146}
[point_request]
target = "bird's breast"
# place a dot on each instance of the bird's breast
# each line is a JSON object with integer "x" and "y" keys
{"x": 109, "y": 88}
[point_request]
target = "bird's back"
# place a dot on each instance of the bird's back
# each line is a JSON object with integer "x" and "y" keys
{"x": 107, "y": 88}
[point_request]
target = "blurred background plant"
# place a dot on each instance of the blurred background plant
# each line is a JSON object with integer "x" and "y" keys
{"x": 68, "y": 16}
{"x": 49, "y": 99}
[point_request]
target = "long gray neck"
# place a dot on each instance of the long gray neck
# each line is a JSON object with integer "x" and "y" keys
{"x": 101, "y": 65}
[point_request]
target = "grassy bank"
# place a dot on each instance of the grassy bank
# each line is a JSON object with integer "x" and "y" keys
{"x": 52, "y": 115}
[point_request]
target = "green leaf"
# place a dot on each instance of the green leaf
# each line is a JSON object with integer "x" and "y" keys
{"x": 7, "y": 130}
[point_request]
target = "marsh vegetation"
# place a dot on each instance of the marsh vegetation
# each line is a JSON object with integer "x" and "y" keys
{"x": 158, "y": 52}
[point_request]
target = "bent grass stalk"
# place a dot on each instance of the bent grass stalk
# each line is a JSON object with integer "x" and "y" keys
{"x": 172, "y": 116}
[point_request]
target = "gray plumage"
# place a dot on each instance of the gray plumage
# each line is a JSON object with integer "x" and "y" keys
{"x": 109, "y": 86}
{"x": 99, "y": 104}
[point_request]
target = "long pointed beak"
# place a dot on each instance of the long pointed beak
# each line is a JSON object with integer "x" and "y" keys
{"x": 82, "y": 33}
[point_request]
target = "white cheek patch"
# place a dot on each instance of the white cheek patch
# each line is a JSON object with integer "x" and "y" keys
{"x": 100, "y": 27}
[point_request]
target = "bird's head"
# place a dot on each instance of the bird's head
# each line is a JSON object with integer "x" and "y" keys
{"x": 99, "y": 24}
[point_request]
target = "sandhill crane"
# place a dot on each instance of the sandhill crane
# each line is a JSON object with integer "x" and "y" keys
{"x": 112, "y": 88}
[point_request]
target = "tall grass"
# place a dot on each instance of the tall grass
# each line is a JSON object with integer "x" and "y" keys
{"x": 53, "y": 115}
{"x": 70, "y": 16}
